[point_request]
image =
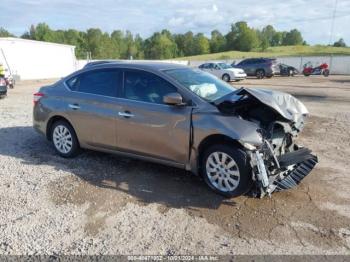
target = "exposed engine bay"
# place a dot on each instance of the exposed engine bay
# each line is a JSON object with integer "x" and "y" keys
{"x": 277, "y": 163}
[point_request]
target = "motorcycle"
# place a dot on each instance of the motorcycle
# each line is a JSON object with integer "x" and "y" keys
{"x": 318, "y": 70}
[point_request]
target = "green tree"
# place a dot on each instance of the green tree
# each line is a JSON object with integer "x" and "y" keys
{"x": 242, "y": 37}
{"x": 217, "y": 42}
{"x": 43, "y": 32}
{"x": 268, "y": 36}
{"x": 139, "y": 45}
{"x": 5, "y": 33}
{"x": 160, "y": 46}
{"x": 93, "y": 42}
{"x": 76, "y": 38}
{"x": 201, "y": 44}
{"x": 180, "y": 43}
{"x": 293, "y": 37}
{"x": 340, "y": 43}
{"x": 117, "y": 37}
{"x": 277, "y": 39}
{"x": 189, "y": 48}
{"x": 264, "y": 44}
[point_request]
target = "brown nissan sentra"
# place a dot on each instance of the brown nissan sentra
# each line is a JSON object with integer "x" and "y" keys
{"x": 238, "y": 140}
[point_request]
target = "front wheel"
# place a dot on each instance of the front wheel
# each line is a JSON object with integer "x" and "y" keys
{"x": 226, "y": 170}
{"x": 260, "y": 74}
{"x": 226, "y": 78}
{"x": 326, "y": 73}
{"x": 64, "y": 139}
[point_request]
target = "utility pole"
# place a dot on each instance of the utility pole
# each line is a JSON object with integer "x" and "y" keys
{"x": 332, "y": 23}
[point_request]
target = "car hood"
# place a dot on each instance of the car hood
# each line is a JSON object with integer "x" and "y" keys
{"x": 285, "y": 104}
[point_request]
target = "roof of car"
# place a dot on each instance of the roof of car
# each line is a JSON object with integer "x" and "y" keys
{"x": 136, "y": 64}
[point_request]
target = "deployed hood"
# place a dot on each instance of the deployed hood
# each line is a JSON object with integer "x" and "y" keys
{"x": 285, "y": 104}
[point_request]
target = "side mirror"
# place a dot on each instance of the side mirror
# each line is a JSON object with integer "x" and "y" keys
{"x": 173, "y": 99}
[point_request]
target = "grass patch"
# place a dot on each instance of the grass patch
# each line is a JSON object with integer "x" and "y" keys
{"x": 279, "y": 51}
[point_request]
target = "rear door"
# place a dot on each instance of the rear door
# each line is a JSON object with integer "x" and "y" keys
{"x": 146, "y": 126}
{"x": 92, "y": 106}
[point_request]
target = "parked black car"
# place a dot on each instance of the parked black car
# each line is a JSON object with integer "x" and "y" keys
{"x": 259, "y": 67}
{"x": 287, "y": 70}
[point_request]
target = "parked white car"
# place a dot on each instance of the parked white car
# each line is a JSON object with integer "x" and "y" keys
{"x": 224, "y": 71}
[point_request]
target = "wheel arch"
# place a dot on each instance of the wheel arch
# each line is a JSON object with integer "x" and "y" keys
{"x": 227, "y": 74}
{"x": 260, "y": 69}
{"x": 54, "y": 119}
{"x": 211, "y": 140}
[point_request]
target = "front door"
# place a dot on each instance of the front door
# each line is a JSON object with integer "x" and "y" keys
{"x": 146, "y": 125}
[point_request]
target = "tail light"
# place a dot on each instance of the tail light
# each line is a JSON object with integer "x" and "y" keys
{"x": 37, "y": 97}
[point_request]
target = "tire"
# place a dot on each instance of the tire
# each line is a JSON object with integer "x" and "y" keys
{"x": 64, "y": 139}
{"x": 226, "y": 77}
{"x": 260, "y": 73}
{"x": 237, "y": 173}
{"x": 326, "y": 73}
{"x": 291, "y": 73}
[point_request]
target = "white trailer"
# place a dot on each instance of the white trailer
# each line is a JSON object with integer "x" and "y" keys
{"x": 29, "y": 59}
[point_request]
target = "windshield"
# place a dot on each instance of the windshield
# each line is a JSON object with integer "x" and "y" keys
{"x": 201, "y": 83}
{"x": 224, "y": 65}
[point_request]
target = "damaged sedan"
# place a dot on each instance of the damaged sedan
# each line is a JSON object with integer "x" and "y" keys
{"x": 238, "y": 140}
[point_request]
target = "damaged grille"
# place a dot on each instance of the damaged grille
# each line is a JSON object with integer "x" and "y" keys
{"x": 297, "y": 174}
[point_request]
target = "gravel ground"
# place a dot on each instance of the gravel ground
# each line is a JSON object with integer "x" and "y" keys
{"x": 104, "y": 204}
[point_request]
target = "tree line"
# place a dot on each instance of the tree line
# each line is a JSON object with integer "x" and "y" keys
{"x": 163, "y": 44}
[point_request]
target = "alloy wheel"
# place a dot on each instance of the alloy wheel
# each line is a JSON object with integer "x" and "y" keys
{"x": 62, "y": 139}
{"x": 222, "y": 171}
{"x": 226, "y": 78}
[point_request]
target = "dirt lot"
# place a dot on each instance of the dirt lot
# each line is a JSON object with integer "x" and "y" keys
{"x": 104, "y": 204}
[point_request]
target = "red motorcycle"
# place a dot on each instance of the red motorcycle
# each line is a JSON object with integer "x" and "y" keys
{"x": 318, "y": 70}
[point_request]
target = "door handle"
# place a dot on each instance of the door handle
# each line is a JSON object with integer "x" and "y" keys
{"x": 74, "y": 106}
{"x": 125, "y": 114}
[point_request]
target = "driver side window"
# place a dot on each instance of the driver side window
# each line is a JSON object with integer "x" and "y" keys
{"x": 145, "y": 87}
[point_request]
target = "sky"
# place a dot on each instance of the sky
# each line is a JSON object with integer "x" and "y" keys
{"x": 312, "y": 17}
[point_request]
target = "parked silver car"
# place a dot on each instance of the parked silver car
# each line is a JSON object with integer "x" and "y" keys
{"x": 224, "y": 71}
{"x": 238, "y": 140}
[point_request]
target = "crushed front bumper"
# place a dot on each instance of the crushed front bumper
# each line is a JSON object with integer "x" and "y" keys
{"x": 273, "y": 173}
{"x": 304, "y": 163}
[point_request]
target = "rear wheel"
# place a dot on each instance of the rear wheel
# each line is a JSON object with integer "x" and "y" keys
{"x": 226, "y": 78}
{"x": 260, "y": 74}
{"x": 64, "y": 139}
{"x": 326, "y": 72}
{"x": 226, "y": 170}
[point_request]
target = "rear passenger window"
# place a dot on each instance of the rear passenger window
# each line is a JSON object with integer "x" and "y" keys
{"x": 146, "y": 87}
{"x": 99, "y": 82}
